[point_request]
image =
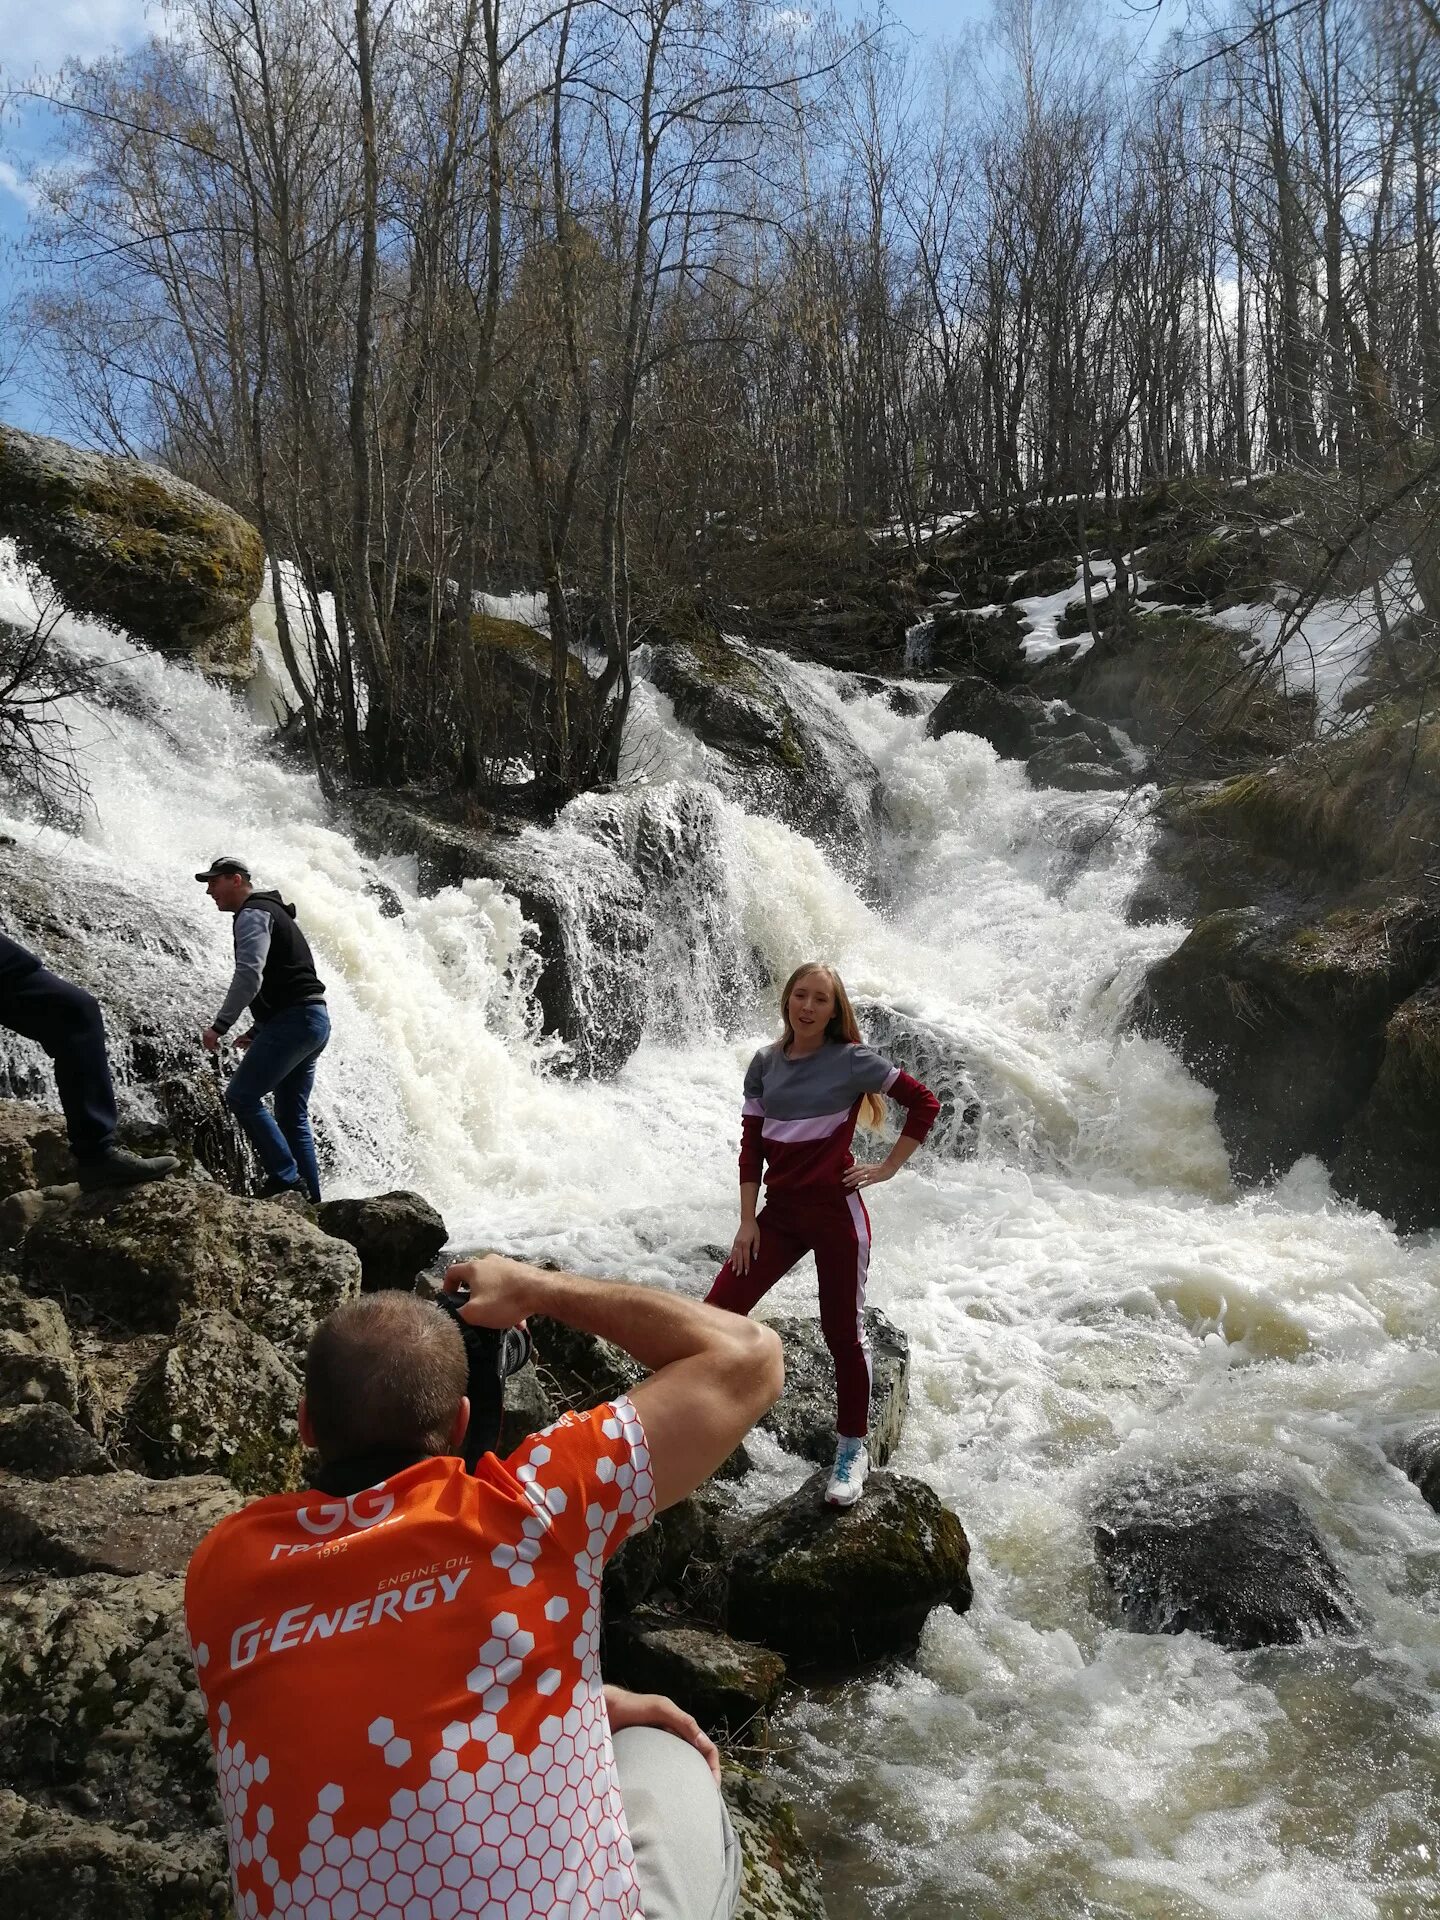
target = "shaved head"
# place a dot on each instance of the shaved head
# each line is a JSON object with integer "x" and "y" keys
{"x": 385, "y": 1372}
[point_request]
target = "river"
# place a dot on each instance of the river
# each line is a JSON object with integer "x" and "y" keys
{"x": 1086, "y": 1293}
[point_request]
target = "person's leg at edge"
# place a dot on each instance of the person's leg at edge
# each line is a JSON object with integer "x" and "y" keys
{"x": 687, "y": 1858}
{"x": 292, "y": 1102}
{"x": 780, "y": 1248}
{"x": 66, "y": 1021}
{"x": 280, "y": 1045}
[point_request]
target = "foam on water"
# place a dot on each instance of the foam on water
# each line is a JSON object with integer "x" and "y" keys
{"x": 1087, "y": 1293}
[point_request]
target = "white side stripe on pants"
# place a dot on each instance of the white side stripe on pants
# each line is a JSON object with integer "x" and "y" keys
{"x": 862, "y": 1275}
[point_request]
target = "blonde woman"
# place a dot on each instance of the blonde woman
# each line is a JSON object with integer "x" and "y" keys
{"x": 803, "y": 1098}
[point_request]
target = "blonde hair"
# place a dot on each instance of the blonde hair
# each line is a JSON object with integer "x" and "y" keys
{"x": 842, "y": 1028}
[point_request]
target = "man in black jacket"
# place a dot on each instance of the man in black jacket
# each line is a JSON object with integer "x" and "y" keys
{"x": 275, "y": 978}
{"x": 65, "y": 1020}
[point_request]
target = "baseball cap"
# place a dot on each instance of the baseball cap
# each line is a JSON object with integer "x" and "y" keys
{"x": 225, "y": 863}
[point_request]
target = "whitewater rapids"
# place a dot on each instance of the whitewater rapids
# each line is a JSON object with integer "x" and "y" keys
{"x": 1088, "y": 1292}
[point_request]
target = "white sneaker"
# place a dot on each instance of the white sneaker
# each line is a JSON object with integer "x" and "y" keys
{"x": 847, "y": 1476}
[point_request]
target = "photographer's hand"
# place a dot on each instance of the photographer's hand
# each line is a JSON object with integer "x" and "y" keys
{"x": 501, "y": 1290}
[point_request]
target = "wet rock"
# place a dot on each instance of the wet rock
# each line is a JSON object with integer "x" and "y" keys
{"x": 37, "y": 1358}
{"x": 1013, "y": 721}
{"x": 1418, "y": 1457}
{"x": 1287, "y": 1021}
{"x": 930, "y": 1054}
{"x": 580, "y": 1369}
{"x": 659, "y": 1560}
{"x": 132, "y": 544}
{"x": 833, "y": 1588}
{"x": 1077, "y": 776}
{"x": 44, "y": 1442}
{"x": 784, "y": 758}
{"x": 52, "y": 1864}
{"x": 142, "y": 1257}
{"x": 781, "y": 1879}
{"x": 34, "y": 1150}
{"x": 586, "y": 919}
{"x": 219, "y": 1399}
{"x": 803, "y": 1419}
{"x": 196, "y": 1124}
{"x": 109, "y": 1523}
{"x": 98, "y": 1701}
{"x": 1242, "y": 1565}
{"x": 528, "y": 1408}
{"x": 983, "y": 641}
{"x": 1390, "y": 1147}
{"x": 396, "y": 1235}
{"x": 729, "y": 1685}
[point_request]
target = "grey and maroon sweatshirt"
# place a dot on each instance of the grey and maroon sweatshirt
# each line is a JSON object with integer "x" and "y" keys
{"x": 799, "y": 1115}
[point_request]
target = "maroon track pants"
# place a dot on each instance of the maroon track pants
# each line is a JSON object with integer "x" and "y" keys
{"x": 836, "y": 1229}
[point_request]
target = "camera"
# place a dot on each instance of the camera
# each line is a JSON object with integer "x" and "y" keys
{"x": 492, "y": 1354}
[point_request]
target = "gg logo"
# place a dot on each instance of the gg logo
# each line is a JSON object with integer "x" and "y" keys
{"x": 365, "y": 1509}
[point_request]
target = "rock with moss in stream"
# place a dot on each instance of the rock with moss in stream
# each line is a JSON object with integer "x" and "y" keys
{"x": 143, "y": 1256}
{"x": 1390, "y": 1148}
{"x": 218, "y": 1399}
{"x": 836, "y": 1588}
{"x": 1288, "y": 1022}
{"x": 729, "y": 1685}
{"x": 781, "y": 1880}
{"x": 132, "y": 544}
{"x": 1242, "y": 1564}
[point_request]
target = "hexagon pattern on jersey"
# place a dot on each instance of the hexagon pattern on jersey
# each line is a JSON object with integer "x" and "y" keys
{"x": 492, "y": 1830}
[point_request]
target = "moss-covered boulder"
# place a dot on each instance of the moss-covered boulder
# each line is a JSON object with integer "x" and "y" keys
{"x": 218, "y": 1399}
{"x": 1390, "y": 1149}
{"x": 132, "y": 544}
{"x": 1287, "y": 1022}
{"x": 145, "y": 1256}
{"x": 778, "y": 751}
{"x": 98, "y": 1701}
{"x": 1242, "y": 1565}
{"x": 729, "y": 1685}
{"x": 829, "y": 594}
{"x": 396, "y": 1235}
{"x": 835, "y": 1588}
{"x": 109, "y": 1523}
{"x": 977, "y": 640}
{"x": 781, "y": 1880}
{"x": 52, "y": 1863}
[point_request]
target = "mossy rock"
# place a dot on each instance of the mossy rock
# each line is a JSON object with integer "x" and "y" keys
{"x": 970, "y": 640}
{"x": 1050, "y": 576}
{"x": 836, "y": 1588}
{"x": 127, "y": 542}
{"x": 52, "y": 1864}
{"x": 219, "y": 1399}
{"x": 781, "y": 1881}
{"x": 729, "y": 1685}
{"x": 1391, "y": 1145}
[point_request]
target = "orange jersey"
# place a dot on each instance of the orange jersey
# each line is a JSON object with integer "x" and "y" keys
{"x": 403, "y": 1687}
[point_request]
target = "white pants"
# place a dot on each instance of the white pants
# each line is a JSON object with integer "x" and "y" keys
{"x": 686, "y": 1855}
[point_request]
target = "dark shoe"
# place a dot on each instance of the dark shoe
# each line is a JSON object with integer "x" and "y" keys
{"x": 118, "y": 1168}
{"x": 277, "y": 1189}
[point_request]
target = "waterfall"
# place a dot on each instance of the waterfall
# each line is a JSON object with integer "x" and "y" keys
{"x": 1083, "y": 1288}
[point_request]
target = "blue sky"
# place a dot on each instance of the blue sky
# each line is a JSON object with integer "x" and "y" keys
{"x": 40, "y": 34}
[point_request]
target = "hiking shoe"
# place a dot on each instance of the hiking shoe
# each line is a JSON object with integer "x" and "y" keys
{"x": 277, "y": 1189}
{"x": 847, "y": 1476}
{"x": 117, "y": 1167}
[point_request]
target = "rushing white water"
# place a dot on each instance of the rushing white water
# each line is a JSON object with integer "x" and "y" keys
{"x": 1087, "y": 1292}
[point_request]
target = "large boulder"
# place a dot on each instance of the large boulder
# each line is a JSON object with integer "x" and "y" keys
{"x": 132, "y": 544}
{"x": 782, "y": 754}
{"x": 935, "y": 1057}
{"x": 729, "y": 1685}
{"x": 109, "y": 1523}
{"x": 803, "y": 1418}
{"x": 834, "y": 1588}
{"x": 1390, "y": 1147}
{"x": 98, "y": 1699}
{"x": 1287, "y": 1021}
{"x": 985, "y": 641}
{"x": 37, "y": 1357}
{"x": 1242, "y": 1565}
{"x": 145, "y": 1255}
{"x": 218, "y": 1399}
{"x": 44, "y": 1442}
{"x": 34, "y": 1150}
{"x": 52, "y": 1863}
{"x": 781, "y": 1880}
{"x": 396, "y": 1235}
{"x": 1418, "y": 1457}
{"x": 1012, "y": 720}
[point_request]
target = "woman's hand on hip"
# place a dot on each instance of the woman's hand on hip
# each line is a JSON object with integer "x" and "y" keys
{"x": 745, "y": 1246}
{"x": 857, "y": 1177}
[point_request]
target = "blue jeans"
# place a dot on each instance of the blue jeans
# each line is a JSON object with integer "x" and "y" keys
{"x": 282, "y": 1060}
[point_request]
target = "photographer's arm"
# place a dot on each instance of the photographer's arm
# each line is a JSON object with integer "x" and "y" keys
{"x": 712, "y": 1374}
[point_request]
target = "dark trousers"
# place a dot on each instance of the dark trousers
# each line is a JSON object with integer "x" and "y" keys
{"x": 281, "y": 1060}
{"x": 66, "y": 1022}
{"x": 835, "y": 1227}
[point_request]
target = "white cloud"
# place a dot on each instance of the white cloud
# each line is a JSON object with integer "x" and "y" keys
{"x": 13, "y": 184}
{"x": 42, "y": 36}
